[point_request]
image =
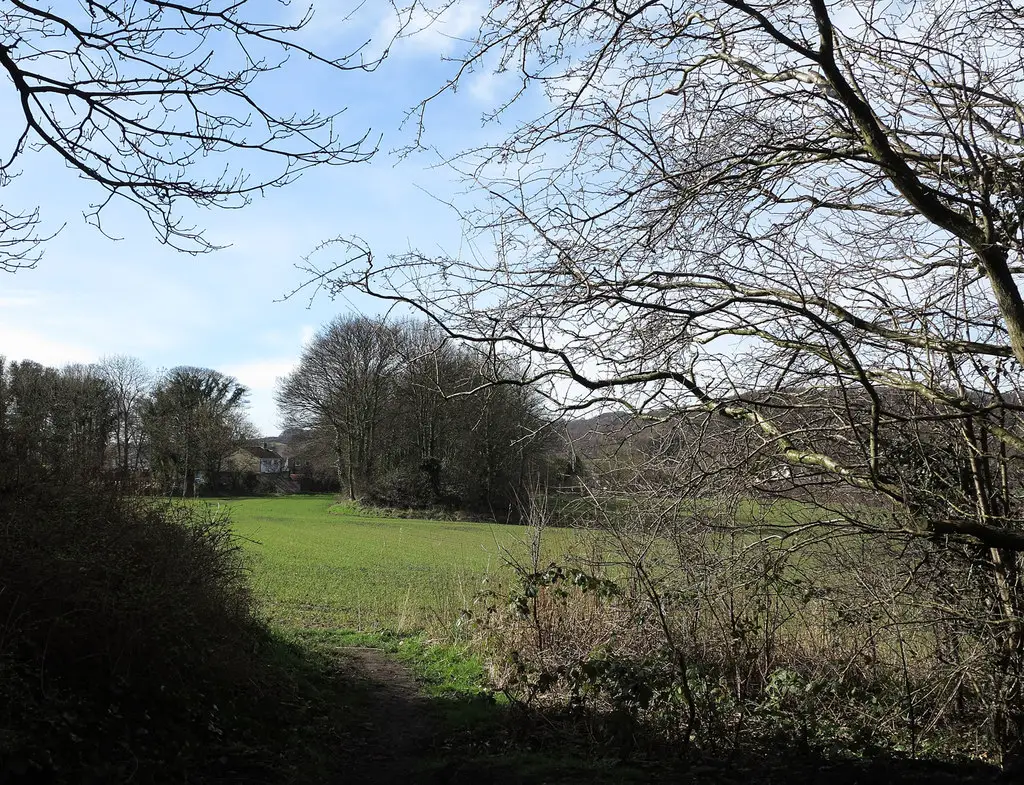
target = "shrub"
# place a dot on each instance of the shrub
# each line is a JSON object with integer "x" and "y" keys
{"x": 125, "y": 627}
{"x": 705, "y": 646}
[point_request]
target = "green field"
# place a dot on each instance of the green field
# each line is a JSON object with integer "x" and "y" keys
{"x": 316, "y": 563}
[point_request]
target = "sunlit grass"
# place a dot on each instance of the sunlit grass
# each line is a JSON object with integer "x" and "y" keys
{"x": 315, "y": 563}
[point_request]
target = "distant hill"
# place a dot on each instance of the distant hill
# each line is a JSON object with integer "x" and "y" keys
{"x": 917, "y": 438}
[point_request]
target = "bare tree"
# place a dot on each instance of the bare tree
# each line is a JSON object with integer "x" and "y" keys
{"x": 478, "y": 445}
{"x": 802, "y": 217}
{"x": 342, "y": 379}
{"x": 130, "y": 381}
{"x": 160, "y": 104}
{"x": 413, "y": 418}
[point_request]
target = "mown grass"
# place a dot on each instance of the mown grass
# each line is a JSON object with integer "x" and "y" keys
{"x": 316, "y": 563}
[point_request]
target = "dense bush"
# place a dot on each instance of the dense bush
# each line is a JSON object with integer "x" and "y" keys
{"x": 681, "y": 639}
{"x": 125, "y": 628}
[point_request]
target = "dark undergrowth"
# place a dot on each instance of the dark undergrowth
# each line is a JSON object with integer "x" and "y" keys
{"x": 480, "y": 735}
{"x": 130, "y": 651}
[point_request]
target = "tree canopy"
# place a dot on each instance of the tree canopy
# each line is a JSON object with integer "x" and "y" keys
{"x": 727, "y": 197}
{"x": 412, "y": 419}
{"x": 194, "y": 420}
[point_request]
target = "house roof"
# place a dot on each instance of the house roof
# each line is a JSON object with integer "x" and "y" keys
{"x": 260, "y": 450}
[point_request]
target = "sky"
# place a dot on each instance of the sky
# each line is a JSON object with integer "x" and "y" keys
{"x": 91, "y": 296}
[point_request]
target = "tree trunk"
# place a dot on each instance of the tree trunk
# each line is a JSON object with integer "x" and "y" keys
{"x": 1008, "y": 714}
{"x": 351, "y": 469}
{"x": 340, "y": 463}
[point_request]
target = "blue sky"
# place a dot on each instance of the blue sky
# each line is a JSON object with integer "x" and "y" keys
{"x": 91, "y": 296}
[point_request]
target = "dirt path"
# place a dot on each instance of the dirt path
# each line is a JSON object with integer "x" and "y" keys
{"x": 399, "y": 728}
{"x": 398, "y": 735}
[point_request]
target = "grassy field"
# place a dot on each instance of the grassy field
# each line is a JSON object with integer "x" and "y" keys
{"x": 316, "y": 563}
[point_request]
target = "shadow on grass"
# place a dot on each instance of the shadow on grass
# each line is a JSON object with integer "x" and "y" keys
{"x": 413, "y": 713}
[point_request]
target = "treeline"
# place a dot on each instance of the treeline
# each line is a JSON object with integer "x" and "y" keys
{"x": 393, "y": 413}
{"x": 408, "y": 417}
{"x": 116, "y": 419}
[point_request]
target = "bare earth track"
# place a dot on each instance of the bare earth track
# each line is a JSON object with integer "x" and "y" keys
{"x": 401, "y": 732}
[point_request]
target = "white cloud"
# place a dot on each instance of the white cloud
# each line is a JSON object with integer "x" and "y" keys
{"x": 307, "y": 333}
{"x": 434, "y": 33}
{"x": 20, "y": 344}
{"x": 261, "y": 376}
{"x": 20, "y": 299}
{"x": 487, "y": 86}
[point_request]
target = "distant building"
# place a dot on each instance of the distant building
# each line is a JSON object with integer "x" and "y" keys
{"x": 258, "y": 458}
